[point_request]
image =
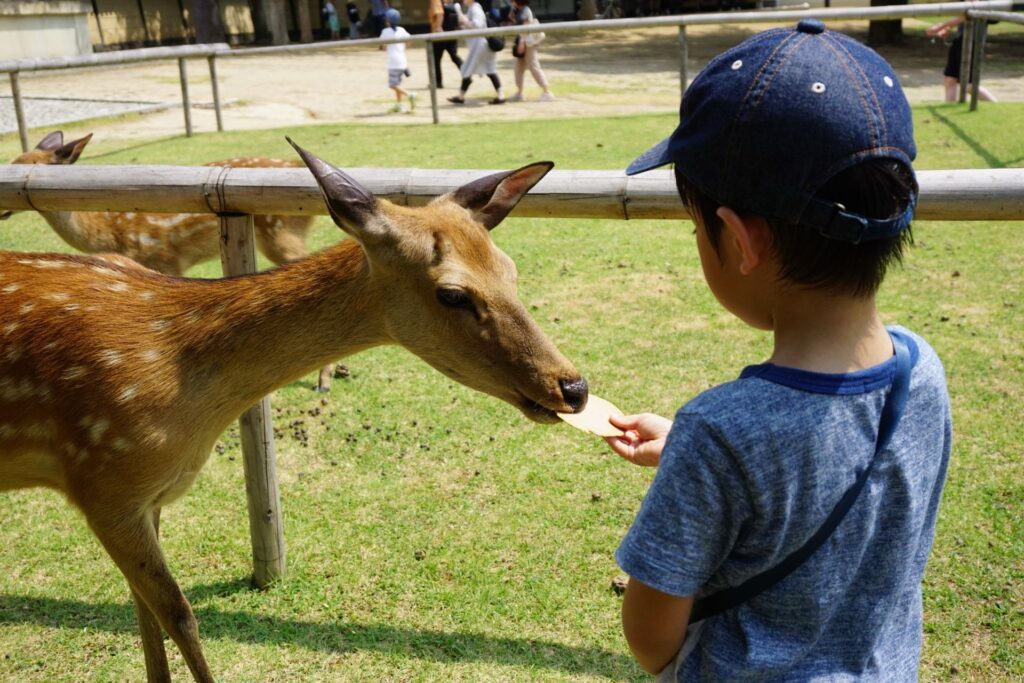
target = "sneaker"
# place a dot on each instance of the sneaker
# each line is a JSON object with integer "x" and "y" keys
{"x": 497, "y": 100}
{"x": 456, "y": 100}
{"x": 396, "y": 109}
{"x": 547, "y": 97}
{"x": 518, "y": 97}
{"x": 412, "y": 102}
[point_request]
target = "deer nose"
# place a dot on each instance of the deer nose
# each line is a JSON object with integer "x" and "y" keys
{"x": 574, "y": 392}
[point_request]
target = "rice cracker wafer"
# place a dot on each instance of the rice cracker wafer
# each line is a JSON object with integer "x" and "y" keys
{"x": 594, "y": 418}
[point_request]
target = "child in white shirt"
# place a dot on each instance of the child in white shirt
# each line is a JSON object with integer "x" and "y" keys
{"x": 398, "y": 65}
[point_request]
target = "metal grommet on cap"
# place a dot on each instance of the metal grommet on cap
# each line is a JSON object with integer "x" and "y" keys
{"x": 888, "y": 81}
{"x": 818, "y": 87}
{"x": 810, "y": 26}
{"x": 738, "y": 64}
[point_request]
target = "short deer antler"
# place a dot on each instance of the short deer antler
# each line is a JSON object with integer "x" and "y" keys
{"x": 115, "y": 381}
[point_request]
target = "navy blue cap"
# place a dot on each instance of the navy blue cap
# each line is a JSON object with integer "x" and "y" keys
{"x": 393, "y": 17}
{"x": 766, "y": 124}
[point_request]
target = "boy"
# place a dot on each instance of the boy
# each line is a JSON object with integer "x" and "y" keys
{"x": 793, "y": 155}
{"x": 398, "y": 66}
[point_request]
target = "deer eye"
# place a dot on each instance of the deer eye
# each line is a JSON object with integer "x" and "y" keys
{"x": 455, "y": 298}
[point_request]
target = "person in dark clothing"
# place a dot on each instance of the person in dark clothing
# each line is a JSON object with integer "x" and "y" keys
{"x": 443, "y": 17}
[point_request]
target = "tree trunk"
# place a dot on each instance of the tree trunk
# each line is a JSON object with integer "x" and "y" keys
{"x": 885, "y": 31}
{"x": 305, "y": 25}
{"x": 207, "y": 22}
{"x": 277, "y": 25}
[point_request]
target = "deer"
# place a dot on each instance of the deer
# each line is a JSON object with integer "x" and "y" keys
{"x": 170, "y": 243}
{"x": 117, "y": 380}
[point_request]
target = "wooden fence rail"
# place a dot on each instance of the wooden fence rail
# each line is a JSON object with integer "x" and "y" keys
{"x": 966, "y": 194}
{"x": 238, "y": 194}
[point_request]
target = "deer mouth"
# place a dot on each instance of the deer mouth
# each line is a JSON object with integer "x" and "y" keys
{"x": 536, "y": 411}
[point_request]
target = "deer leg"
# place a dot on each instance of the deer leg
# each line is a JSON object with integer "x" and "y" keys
{"x": 130, "y": 538}
{"x": 152, "y": 635}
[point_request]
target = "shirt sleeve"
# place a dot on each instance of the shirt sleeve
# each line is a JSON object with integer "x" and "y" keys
{"x": 692, "y": 513}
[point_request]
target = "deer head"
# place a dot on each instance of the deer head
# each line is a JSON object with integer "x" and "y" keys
{"x": 449, "y": 292}
{"x": 50, "y": 150}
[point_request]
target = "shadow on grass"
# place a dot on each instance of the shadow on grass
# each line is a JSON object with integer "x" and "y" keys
{"x": 336, "y": 638}
{"x": 983, "y": 152}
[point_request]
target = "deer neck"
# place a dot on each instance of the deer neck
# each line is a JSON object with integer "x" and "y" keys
{"x": 268, "y": 329}
{"x": 75, "y": 232}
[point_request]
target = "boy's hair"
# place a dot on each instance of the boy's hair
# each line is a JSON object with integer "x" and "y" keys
{"x": 876, "y": 188}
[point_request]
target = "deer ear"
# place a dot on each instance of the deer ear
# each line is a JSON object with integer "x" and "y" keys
{"x": 351, "y": 205}
{"x": 51, "y": 142}
{"x": 69, "y": 153}
{"x": 492, "y": 197}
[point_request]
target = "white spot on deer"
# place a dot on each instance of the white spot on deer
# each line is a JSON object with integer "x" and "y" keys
{"x": 71, "y": 308}
{"x": 97, "y": 429}
{"x": 12, "y": 354}
{"x": 11, "y": 288}
{"x": 127, "y": 394}
{"x": 118, "y": 287}
{"x": 192, "y": 318}
{"x": 45, "y": 263}
{"x": 149, "y": 241}
{"x": 147, "y": 296}
{"x": 59, "y": 297}
{"x": 121, "y": 444}
{"x": 150, "y": 356}
{"x": 26, "y": 308}
{"x": 103, "y": 270}
{"x": 129, "y": 215}
{"x": 13, "y": 391}
{"x": 74, "y": 372}
{"x": 9, "y": 328}
{"x": 110, "y": 358}
{"x": 160, "y": 325}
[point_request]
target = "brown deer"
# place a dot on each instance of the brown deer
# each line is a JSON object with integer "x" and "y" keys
{"x": 170, "y": 243}
{"x": 115, "y": 381}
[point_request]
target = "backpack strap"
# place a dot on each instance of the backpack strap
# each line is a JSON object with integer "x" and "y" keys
{"x": 724, "y": 600}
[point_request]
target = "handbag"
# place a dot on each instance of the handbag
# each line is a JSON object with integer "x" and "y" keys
{"x": 495, "y": 43}
{"x": 519, "y": 47}
{"x": 716, "y": 603}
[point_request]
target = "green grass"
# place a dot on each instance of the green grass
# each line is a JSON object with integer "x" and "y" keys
{"x": 435, "y": 534}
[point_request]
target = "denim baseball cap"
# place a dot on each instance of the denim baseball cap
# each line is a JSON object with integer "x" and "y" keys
{"x": 766, "y": 124}
{"x": 393, "y": 17}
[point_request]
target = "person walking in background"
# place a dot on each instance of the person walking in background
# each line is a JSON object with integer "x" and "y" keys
{"x": 353, "y": 20}
{"x": 525, "y": 51}
{"x": 331, "y": 16}
{"x": 481, "y": 58}
{"x": 443, "y": 17}
{"x": 951, "y": 74}
{"x": 398, "y": 65}
{"x": 377, "y": 10}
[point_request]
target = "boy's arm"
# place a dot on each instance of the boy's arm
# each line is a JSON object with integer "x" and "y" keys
{"x": 654, "y": 624}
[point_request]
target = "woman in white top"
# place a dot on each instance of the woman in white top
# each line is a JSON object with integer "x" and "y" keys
{"x": 526, "y": 53}
{"x": 481, "y": 58}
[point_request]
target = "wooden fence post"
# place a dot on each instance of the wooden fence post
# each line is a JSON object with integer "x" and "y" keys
{"x": 238, "y": 257}
{"x": 977, "y": 55}
{"x": 19, "y": 111}
{"x": 966, "y": 45}
{"x": 684, "y": 53}
{"x": 212, "y": 60}
{"x": 185, "y": 103}
{"x": 432, "y": 75}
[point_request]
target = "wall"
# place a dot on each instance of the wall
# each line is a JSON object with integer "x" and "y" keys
{"x": 44, "y": 29}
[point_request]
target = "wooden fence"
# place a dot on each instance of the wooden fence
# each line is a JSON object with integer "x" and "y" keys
{"x": 237, "y": 194}
{"x": 971, "y": 53}
{"x": 221, "y": 50}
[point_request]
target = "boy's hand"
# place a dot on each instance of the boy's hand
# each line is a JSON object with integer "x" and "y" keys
{"x": 643, "y": 440}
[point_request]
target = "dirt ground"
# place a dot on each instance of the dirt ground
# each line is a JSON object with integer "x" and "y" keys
{"x": 593, "y": 74}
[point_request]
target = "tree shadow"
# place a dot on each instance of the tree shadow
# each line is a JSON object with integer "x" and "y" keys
{"x": 341, "y": 637}
{"x": 990, "y": 159}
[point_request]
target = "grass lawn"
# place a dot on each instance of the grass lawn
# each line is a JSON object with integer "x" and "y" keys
{"x": 436, "y": 535}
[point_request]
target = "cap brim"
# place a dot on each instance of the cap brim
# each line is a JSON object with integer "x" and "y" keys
{"x": 653, "y": 158}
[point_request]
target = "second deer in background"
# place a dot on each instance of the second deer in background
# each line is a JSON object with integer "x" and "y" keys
{"x": 168, "y": 243}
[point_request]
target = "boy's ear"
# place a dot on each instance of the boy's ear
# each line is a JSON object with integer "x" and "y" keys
{"x": 750, "y": 238}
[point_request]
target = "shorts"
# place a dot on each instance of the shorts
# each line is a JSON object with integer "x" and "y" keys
{"x": 952, "y": 69}
{"x": 395, "y": 77}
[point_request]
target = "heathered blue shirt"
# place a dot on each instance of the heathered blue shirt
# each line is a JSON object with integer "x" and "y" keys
{"x": 750, "y": 471}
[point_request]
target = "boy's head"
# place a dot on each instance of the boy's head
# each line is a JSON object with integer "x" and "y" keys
{"x": 393, "y": 18}
{"x": 810, "y": 130}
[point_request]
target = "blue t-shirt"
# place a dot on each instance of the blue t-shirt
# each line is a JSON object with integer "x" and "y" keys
{"x": 750, "y": 470}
